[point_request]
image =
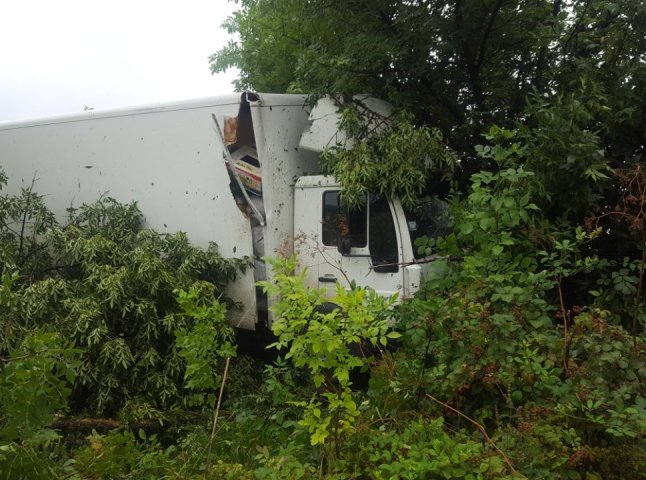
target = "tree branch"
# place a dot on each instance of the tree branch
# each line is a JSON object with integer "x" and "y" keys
{"x": 482, "y": 431}
{"x": 215, "y": 419}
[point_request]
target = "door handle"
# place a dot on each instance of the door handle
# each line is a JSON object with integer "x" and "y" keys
{"x": 328, "y": 279}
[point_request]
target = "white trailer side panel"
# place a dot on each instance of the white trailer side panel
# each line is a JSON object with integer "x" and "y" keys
{"x": 168, "y": 158}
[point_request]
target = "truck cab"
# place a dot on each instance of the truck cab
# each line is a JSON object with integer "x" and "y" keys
{"x": 369, "y": 244}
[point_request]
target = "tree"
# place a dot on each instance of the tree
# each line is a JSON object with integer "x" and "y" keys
{"x": 462, "y": 66}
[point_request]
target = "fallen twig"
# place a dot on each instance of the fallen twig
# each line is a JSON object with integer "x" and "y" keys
{"x": 482, "y": 431}
{"x": 215, "y": 419}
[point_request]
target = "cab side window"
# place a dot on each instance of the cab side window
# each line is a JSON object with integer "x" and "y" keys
{"x": 370, "y": 224}
{"x": 340, "y": 222}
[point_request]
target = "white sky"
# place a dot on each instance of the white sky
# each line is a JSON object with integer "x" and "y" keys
{"x": 56, "y": 56}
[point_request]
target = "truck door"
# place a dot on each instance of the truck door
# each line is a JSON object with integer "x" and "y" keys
{"x": 344, "y": 244}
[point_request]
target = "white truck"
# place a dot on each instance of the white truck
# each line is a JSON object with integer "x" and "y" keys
{"x": 240, "y": 170}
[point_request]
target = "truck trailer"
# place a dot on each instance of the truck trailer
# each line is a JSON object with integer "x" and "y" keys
{"x": 240, "y": 170}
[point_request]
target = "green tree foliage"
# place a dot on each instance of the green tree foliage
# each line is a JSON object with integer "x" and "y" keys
{"x": 523, "y": 359}
{"x": 24, "y": 219}
{"x": 35, "y": 383}
{"x": 501, "y": 337}
{"x": 203, "y": 342}
{"x": 536, "y": 329}
{"x": 569, "y": 73}
{"x": 37, "y": 372}
{"x": 116, "y": 300}
{"x": 107, "y": 286}
{"x": 322, "y": 341}
{"x": 498, "y": 372}
{"x": 395, "y": 163}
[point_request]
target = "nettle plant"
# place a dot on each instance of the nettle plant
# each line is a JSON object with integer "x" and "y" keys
{"x": 327, "y": 337}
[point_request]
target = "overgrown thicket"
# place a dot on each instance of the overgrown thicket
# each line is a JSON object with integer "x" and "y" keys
{"x": 99, "y": 317}
{"x": 526, "y": 117}
{"x": 525, "y": 358}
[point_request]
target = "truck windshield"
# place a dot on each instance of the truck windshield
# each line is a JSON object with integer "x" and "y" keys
{"x": 429, "y": 217}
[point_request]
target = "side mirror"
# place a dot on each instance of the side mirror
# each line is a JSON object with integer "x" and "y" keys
{"x": 345, "y": 246}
